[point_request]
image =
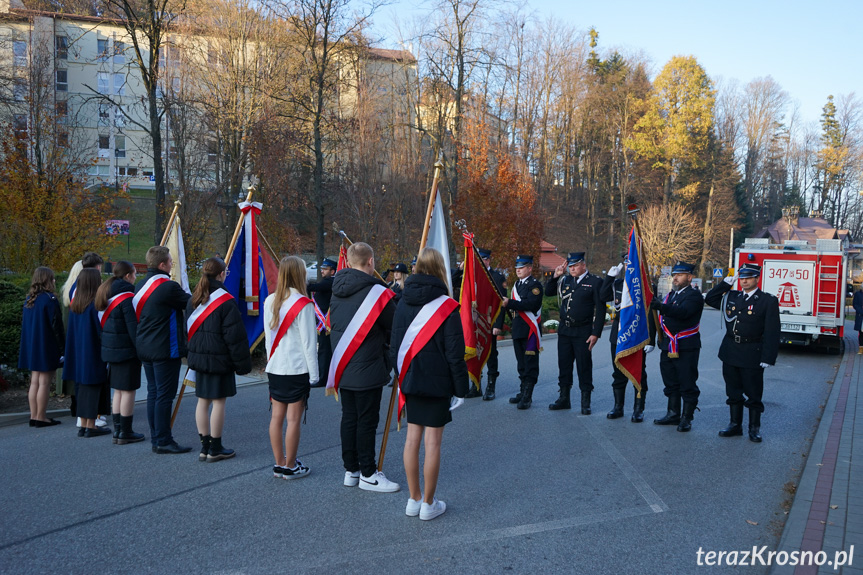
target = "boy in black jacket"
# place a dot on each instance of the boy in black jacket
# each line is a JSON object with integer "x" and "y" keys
{"x": 161, "y": 343}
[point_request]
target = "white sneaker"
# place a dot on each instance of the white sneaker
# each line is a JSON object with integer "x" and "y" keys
{"x": 436, "y": 509}
{"x": 378, "y": 482}
{"x": 79, "y": 422}
{"x": 413, "y": 507}
{"x": 101, "y": 422}
{"x": 352, "y": 478}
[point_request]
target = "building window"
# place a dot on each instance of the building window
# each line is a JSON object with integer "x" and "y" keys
{"x": 63, "y": 139}
{"x": 19, "y": 51}
{"x": 104, "y": 114}
{"x": 62, "y": 84}
{"x": 61, "y": 45}
{"x": 127, "y": 171}
{"x": 104, "y": 146}
{"x": 19, "y": 123}
{"x": 61, "y": 110}
{"x": 103, "y": 170}
{"x": 19, "y": 90}
{"x": 103, "y": 83}
{"x": 147, "y": 173}
{"x": 119, "y": 146}
{"x": 119, "y": 53}
{"x": 102, "y": 50}
{"x": 119, "y": 84}
{"x": 130, "y": 171}
{"x": 119, "y": 117}
{"x": 212, "y": 152}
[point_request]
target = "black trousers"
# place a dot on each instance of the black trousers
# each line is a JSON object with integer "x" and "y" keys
{"x": 860, "y": 337}
{"x": 680, "y": 375}
{"x": 325, "y": 354}
{"x": 162, "y": 382}
{"x": 740, "y": 381}
{"x": 360, "y": 417}
{"x": 618, "y": 380}
{"x": 574, "y": 348}
{"x": 491, "y": 364}
{"x": 528, "y": 365}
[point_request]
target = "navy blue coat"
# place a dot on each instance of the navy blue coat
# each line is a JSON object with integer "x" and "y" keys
{"x": 857, "y": 302}
{"x": 84, "y": 363}
{"x": 684, "y": 312}
{"x": 530, "y": 291}
{"x": 439, "y": 369}
{"x": 42, "y": 338}
{"x": 121, "y": 327}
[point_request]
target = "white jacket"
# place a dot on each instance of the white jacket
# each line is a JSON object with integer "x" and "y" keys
{"x": 297, "y": 352}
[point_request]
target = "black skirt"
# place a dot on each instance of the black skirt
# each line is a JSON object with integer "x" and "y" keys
{"x": 125, "y": 376}
{"x": 88, "y": 401}
{"x": 289, "y": 388}
{"x": 215, "y": 385}
{"x": 428, "y": 411}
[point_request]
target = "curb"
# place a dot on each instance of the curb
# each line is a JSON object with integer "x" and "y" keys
{"x": 798, "y": 515}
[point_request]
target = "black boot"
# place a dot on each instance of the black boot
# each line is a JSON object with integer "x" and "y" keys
{"x": 686, "y": 416}
{"x": 206, "y": 440}
{"x": 116, "y": 418}
{"x": 585, "y": 403}
{"x": 517, "y": 398}
{"x": 735, "y": 424}
{"x": 527, "y": 396}
{"x": 638, "y": 407}
{"x": 563, "y": 401}
{"x": 673, "y": 415}
{"x": 474, "y": 390}
{"x": 754, "y": 425}
{"x": 489, "y": 389}
{"x": 617, "y": 411}
{"x": 217, "y": 452}
{"x": 126, "y": 433}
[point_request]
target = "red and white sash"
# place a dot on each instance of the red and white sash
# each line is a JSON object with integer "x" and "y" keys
{"x": 356, "y": 332}
{"x": 113, "y": 303}
{"x": 674, "y": 337}
{"x": 289, "y": 311}
{"x": 203, "y": 311}
{"x": 423, "y": 327}
{"x": 146, "y": 291}
{"x": 532, "y": 321}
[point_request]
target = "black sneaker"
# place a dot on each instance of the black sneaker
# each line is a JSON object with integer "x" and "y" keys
{"x": 279, "y": 471}
{"x": 298, "y": 471}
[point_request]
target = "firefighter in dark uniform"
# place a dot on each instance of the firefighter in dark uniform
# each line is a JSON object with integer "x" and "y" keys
{"x": 751, "y": 343}
{"x": 527, "y": 298}
{"x": 582, "y": 315}
{"x": 612, "y": 290}
{"x": 400, "y": 273}
{"x": 680, "y": 342}
{"x": 321, "y": 292}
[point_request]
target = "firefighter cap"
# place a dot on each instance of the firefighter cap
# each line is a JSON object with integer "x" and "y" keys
{"x": 683, "y": 268}
{"x": 749, "y": 271}
{"x": 574, "y": 258}
{"x": 522, "y": 261}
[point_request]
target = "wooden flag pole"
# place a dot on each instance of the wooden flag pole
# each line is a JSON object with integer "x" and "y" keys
{"x": 238, "y": 229}
{"x": 438, "y": 168}
{"x": 170, "y": 223}
{"x": 350, "y": 243}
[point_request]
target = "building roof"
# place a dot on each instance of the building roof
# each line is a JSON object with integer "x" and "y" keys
{"x": 548, "y": 259}
{"x": 805, "y": 229}
{"x": 396, "y": 55}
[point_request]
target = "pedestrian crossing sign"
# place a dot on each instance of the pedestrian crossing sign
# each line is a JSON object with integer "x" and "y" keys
{"x": 717, "y": 272}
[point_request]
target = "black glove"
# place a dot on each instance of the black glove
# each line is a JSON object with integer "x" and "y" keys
{"x": 655, "y": 304}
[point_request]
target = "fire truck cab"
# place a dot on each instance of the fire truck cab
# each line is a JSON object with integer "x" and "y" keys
{"x": 809, "y": 282}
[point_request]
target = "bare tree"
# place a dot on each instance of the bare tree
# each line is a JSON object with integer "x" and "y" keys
{"x": 670, "y": 233}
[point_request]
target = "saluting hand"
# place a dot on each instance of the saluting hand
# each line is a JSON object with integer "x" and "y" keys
{"x": 558, "y": 271}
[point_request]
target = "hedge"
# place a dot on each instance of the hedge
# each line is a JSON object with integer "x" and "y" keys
{"x": 11, "y": 306}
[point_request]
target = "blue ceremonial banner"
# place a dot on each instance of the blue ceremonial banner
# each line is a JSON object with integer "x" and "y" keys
{"x": 634, "y": 332}
{"x": 236, "y": 284}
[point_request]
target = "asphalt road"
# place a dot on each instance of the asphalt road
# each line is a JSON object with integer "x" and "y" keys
{"x": 526, "y": 491}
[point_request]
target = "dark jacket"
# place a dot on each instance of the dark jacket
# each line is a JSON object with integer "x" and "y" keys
{"x": 397, "y": 289}
{"x": 439, "y": 369}
{"x": 683, "y": 312}
{"x": 220, "y": 344}
{"x": 162, "y": 327}
{"x": 43, "y": 340}
{"x": 530, "y": 292}
{"x": 612, "y": 290}
{"x": 121, "y": 327}
{"x": 369, "y": 367}
{"x": 751, "y": 326}
{"x": 321, "y": 292}
{"x": 84, "y": 363}
{"x": 580, "y": 304}
{"x": 857, "y": 302}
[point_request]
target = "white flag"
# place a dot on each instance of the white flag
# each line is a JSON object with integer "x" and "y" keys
{"x": 178, "y": 254}
{"x": 437, "y": 237}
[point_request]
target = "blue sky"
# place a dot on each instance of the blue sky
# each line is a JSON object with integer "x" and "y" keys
{"x": 812, "y": 48}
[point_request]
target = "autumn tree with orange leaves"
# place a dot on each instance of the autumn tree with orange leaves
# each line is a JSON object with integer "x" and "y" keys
{"x": 496, "y": 201}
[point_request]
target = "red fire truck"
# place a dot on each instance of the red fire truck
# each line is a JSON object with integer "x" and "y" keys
{"x": 809, "y": 282}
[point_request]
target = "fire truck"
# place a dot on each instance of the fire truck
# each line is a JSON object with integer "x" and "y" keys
{"x": 809, "y": 282}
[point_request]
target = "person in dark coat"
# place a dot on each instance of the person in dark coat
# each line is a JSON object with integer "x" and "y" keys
{"x": 43, "y": 343}
{"x": 750, "y": 345}
{"x": 119, "y": 328}
{"x": 84, "y": 363}
{"x": 218, "y": 348}
{"x": 857, "y": 302}
{"x": 321, "y": 292}
{"x": 400, "y": 272}
{"x": 612, "y": 290}
{"x": 526, "y": 297}
{"x": 582, "y": 315}
{"x": 436, "y": 374}
{"x": 161, "y": 344}
{"x": 366, "y": 374}
{"x": 680, "y": 343}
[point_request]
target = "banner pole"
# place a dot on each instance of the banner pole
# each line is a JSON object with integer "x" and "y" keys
{"x": 170, "y": 223}
{"x": 238, "y": 229}
{"x": 438, "y": 168}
